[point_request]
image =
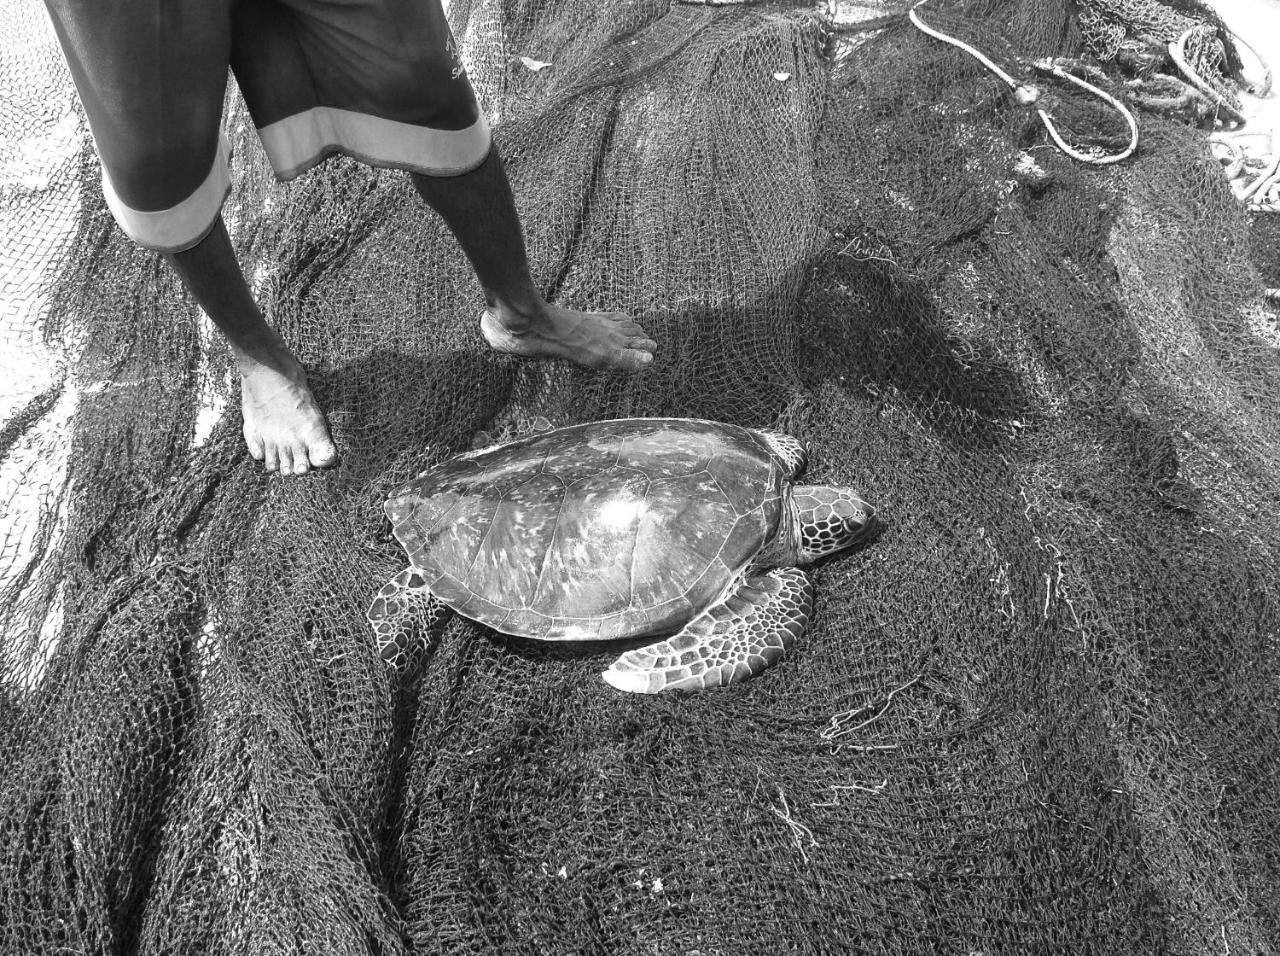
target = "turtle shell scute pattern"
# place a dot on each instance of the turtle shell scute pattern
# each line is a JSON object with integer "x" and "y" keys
{"x": 606, "y": 530}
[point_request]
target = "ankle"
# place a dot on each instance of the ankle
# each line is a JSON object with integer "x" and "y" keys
{"x": 518, "y": 314}
{"x": 271, "y": 356}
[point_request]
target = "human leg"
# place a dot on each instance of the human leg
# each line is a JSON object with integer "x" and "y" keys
{"x": 152, "y": 79}
{"x": 393, "y": 92}
{"x": 479, "y": 208}
{"x": 283, "y": 426}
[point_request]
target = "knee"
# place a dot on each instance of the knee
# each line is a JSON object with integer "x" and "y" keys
{"x": 154, "y": 175}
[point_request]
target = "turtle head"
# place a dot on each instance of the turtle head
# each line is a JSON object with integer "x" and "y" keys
{"x": 831, "y": 519}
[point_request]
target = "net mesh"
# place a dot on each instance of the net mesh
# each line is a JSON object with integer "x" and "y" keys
{"x": 1036, "y": 715}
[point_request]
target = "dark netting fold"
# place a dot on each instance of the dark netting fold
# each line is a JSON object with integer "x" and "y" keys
{"x": 1036, "y": 715}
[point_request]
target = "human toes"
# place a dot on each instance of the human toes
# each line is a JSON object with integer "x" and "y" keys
{"x": 634, "y": 333}
{"x": 633, "y": 360}
{"x": 284, "y": 452}
{"x": 321, "y": 453}
{"x": 270, "y": 457}
{"x": 624, "y": 323}
{"x": 301, "y": 460}
{"x": 636, "y": 352}
{"x": 253, "y": 441}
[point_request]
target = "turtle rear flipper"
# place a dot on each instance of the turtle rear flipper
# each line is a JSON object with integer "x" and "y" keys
{"x": 730, "y": 641}
{"x": 403, "y": 598}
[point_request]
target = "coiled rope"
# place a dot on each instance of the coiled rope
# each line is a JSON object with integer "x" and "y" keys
{"x": 1028, "y": 95}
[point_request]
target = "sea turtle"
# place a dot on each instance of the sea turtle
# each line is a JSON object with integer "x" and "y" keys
{"x": 643, "y": 527}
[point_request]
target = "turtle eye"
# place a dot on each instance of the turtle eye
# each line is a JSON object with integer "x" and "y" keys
{"x": 851, "y": 514}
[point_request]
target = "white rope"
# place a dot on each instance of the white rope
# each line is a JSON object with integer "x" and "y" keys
{"x": 977, "y": 55}
{"x": 1098, "y": 158}
{"x": 1027, "y": 95}
{"x": 1264, "y": 182}
{"x": 1234, "y": 162}
{"x": 1178, "y": 53}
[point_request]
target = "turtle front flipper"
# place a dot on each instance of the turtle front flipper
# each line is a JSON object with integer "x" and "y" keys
{"x": 730, "y": 641}
{"x": 401, "y": 599}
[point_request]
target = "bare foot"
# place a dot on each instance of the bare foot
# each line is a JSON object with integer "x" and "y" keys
{"x": 603, "y": 340}
{"x": 283, "y": 426}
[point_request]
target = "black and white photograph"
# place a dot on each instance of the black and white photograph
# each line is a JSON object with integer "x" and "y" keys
{"x": 639, "y": 478}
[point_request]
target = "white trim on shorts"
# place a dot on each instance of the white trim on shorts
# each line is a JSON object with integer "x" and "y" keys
{"x": 179, "y": 227}
{"x": 298, "y": 142}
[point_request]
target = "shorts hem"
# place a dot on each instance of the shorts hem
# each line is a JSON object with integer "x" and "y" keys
{"x": 183, "y": 225}
{"x": 297, "y": 143}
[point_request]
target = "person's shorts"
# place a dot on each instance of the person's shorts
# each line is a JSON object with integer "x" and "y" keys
{"x": 379, "y": 80}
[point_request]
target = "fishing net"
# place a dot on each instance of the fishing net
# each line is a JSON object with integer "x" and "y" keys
{"x": 1036, "y": 714}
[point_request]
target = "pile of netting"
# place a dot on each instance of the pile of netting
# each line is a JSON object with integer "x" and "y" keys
{"x": 1037, "y": 714}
